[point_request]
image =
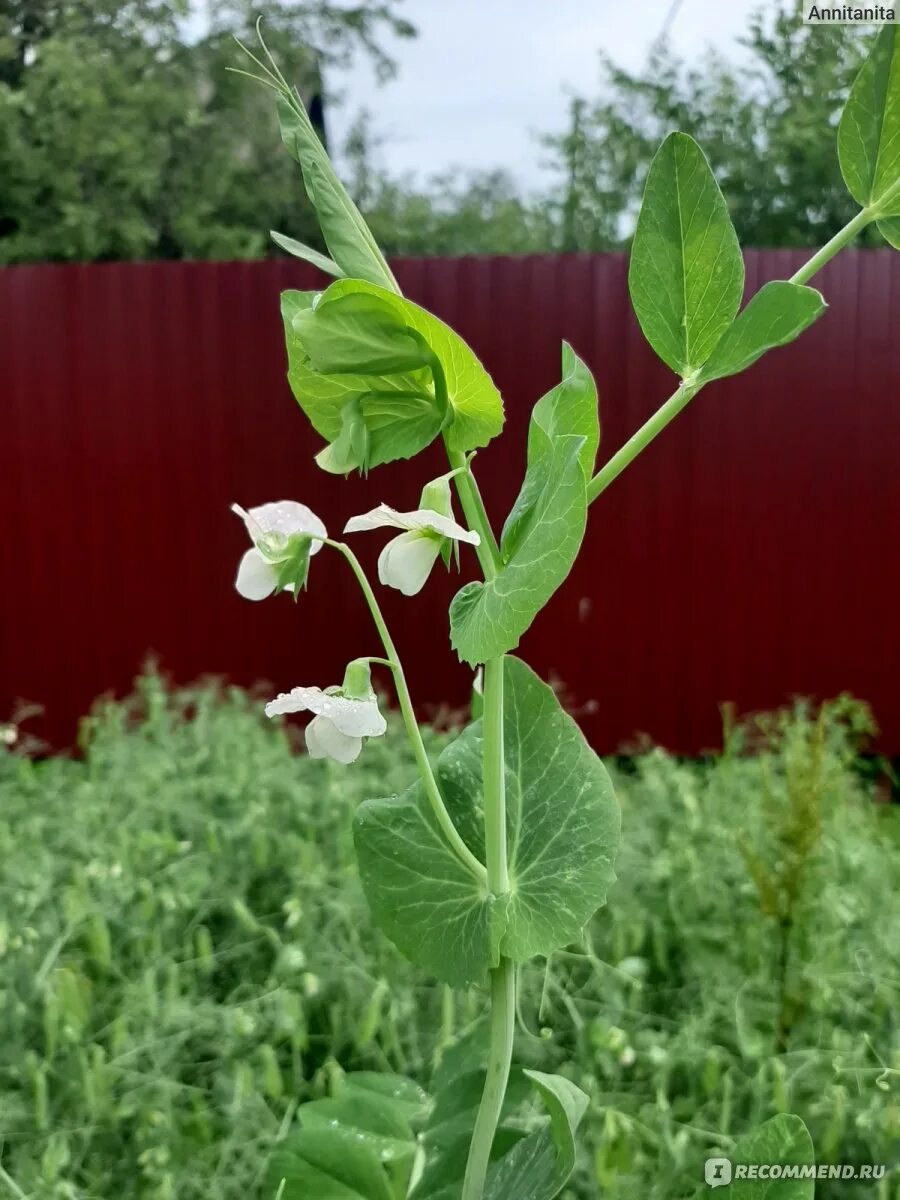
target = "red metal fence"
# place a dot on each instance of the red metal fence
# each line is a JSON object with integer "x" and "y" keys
{"x": 750, "y": 554}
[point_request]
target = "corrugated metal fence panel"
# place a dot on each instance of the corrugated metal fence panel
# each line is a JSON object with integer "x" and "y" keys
{"x": 750, "y": 554}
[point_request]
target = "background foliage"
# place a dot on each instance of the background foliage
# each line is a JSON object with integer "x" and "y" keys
{"x": 122, "y": 136}
{"x": 187, "y": 955}
{"x": 765, "y": 120}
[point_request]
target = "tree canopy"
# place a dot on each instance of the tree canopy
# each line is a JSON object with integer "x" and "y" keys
{"x": 766, "y": 120}
{"x": 124, "y": 136}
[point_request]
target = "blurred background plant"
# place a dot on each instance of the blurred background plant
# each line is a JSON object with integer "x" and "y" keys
{"x": 187, "y": 955}
{"x": 766, "y": 122}
{"x": 123, "y": 136}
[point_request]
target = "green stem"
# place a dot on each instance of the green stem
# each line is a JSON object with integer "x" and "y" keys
{"x": 476, "y": 515}
{"x": 448, "y": 1023}
{"x": 503, "y": 1018}
{"x": 466, "y": 487}
{"x": 841, "y": 239}
{"x": 686, "y": 391}
{"x": 12, "y": 1185}
{"x": 432, "y": 791}
{"x": 638, "y": 441}
{"x": 494, "y": 780}
{"x": 503, "y": 977}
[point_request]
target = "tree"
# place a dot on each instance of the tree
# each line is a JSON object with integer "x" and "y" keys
{"x": 122, "y": 137}
{"x": 767, "y": 124}
{"x": 452, "y": 213}
{"x": 774, "y": 156}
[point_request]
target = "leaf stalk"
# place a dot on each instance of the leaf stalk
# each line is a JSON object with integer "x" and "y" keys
{"x": 432, "y": 791}
{"x": 503, "y": 1021}
{"x": 687, "y": 389}
{"x": 503, "y": 976}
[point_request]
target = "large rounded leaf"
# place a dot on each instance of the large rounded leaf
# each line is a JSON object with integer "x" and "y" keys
{"x": 562, "y": 829}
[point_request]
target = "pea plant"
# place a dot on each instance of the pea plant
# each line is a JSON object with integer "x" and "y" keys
{"x": 503, "y": 849}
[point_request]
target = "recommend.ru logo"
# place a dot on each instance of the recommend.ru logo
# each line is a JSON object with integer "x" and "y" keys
{"x": 718, "y": 1172}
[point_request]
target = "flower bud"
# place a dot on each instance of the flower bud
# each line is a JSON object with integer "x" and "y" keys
{"x": 350, "y": 449}
{"x": 436, "y": 496}
{"x": 357, "y": 683}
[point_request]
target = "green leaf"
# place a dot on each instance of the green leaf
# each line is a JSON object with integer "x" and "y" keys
{"x": 352, "y": 1146}
{"x": 686, "y": 274}
{"x": 400, "y": 423}
{"x": 869, "y": 132}
{"x": 399, "y": 412}
{"x": 538, "y": 1167}
{"x": 420, "y": 894}
{"x": 568, "y": 410}
{"x": 777, "y": 314}
{"x": 783, "y": 1140}
{"x": 475, "y": 404}
{"x": 544, "y": 530}
{"x": 410, "y": 373}
{"x": 300, "y": 250}
{"x": 562, "y": 830}
{"x": 457, "y": 1086}
{"x": 488, "y": 619}
{"x": 402, "y": 1095}
{"x": 889, "y": 228}
{"x": 346, "y": 234}
{"x": 562, "y": 815}
{"x": 443, "y": 1178}
{"x": 446, "y": 1137}
{"x": 358, "y": 334}
{"x": 566, "y": 1104}
{"x": 364, "y": 1119}
{"x": 321, "y": 1163}
{"x": 350, "y": 449}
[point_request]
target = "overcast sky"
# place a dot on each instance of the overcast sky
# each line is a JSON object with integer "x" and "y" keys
{"x": 484, "y": 75}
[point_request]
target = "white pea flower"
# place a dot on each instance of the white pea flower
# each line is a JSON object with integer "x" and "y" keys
{"x": 342, "y": 716}
{"x": 406, "y": 561}
{"x": 284, "y": 535}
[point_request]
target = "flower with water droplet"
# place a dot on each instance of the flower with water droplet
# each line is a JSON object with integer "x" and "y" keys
{"x": 406, "y": 561}
{"x": 285, "y": 535}
{"x": 342, "y": 716}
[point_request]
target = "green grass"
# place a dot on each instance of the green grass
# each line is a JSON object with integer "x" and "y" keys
{"x": 185, "y": 956}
